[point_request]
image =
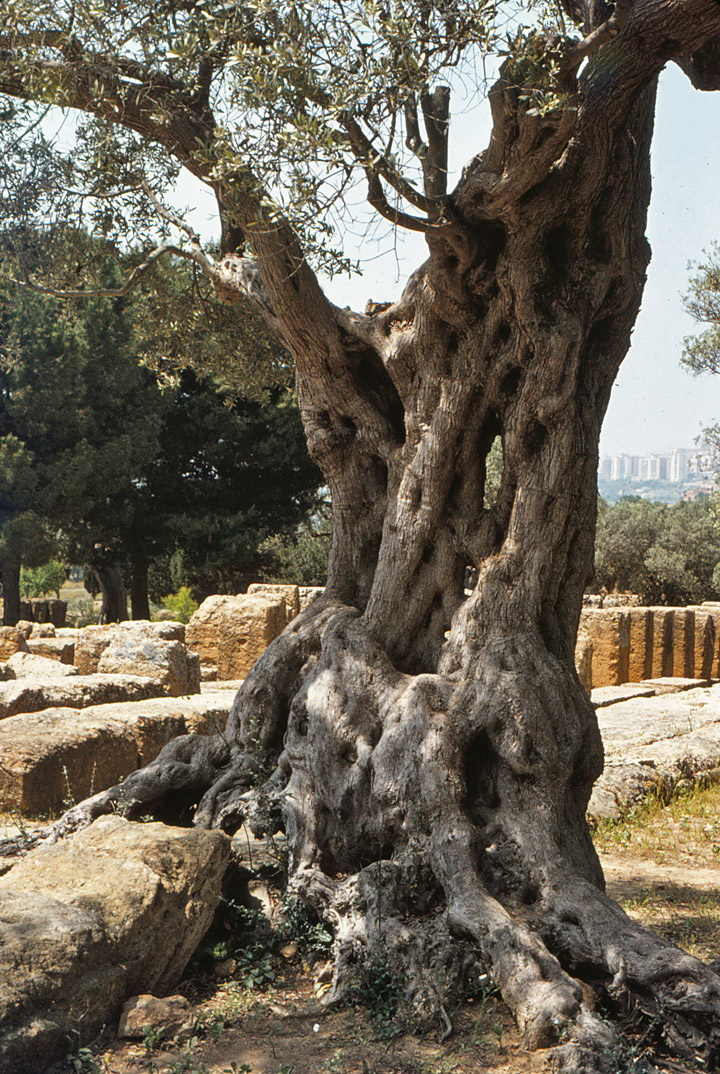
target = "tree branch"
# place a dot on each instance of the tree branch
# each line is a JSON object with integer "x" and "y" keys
{"x": 598, "y": 37}
{"x": 376, "y": 197}
{"x": 92, "y": 292}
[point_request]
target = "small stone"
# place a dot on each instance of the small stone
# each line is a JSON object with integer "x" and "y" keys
{"x": 142, "y": 1013}
{"x": 225, "y": 969}
{"x": 289, "y": 951}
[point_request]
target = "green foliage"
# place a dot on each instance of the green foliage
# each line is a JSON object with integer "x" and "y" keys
{"x": 668, "y": 554}
{"x": 702, "y": 301}
{"x": 380, "y": 990}
{"x": 181, "y": 604}
{"x": 299, "y": 924}
{"x": 38, "y": 581}
{"x": 300, "y": 558}
{"x": 307, "y": 100}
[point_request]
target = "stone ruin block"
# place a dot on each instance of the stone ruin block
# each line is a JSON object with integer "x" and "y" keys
{"x": 289, "y": 593}
{"x": 12, "y": 641}
{"x": 231, "y": 632}
{"x": 309, "y": 593}
{"x": 60, "y": 649}
{"x": 609, "y": 629}
{"x": 248, "y": 626}
{"x": 583, "y": 658}
{"x": 42, "y": 610}
{"x": 661, "y": 643}
{"x": 640, "y": 650}
{"x": 683, "y": 643}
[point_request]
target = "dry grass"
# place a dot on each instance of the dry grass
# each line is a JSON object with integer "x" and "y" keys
{"x": 663, "y": 866}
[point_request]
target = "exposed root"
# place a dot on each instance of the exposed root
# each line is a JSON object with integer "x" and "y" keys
{"x": 183, "y": 770}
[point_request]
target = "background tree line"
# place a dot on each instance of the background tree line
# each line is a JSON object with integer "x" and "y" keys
{"x": 116, "y": 454}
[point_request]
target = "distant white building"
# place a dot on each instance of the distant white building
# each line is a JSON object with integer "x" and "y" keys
{"x": 679, "y": 465}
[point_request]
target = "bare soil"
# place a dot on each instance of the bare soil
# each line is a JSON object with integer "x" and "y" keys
{"x": 662, "y": 865}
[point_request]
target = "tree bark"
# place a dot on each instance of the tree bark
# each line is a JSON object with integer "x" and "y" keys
{"x": 433, "y": 752}
{"x": 139, "y": 597}
{"x": 10, "y": 576}
{"x": 114, "y": 597}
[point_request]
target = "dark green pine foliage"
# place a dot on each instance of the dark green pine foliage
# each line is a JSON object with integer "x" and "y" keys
{"x": 228, "y": 474}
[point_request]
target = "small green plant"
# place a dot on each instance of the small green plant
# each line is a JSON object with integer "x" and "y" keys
{"x": 154, "y": 1037}
{"x": 181, "y": 604}
{"x": 379, "y": 990}
{"x": 300, "y": 925}
{"x": 83, "y": 1061}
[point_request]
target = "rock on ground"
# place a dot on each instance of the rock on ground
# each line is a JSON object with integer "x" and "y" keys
{"x": 172, "y": 1014}
{"x": 54, "y": 758}
{"x": 38, "y": 668}
{"x": 652, "y": 744}
{"x": 115, "y": 911}
{"x": 77, "y": 692}
{"x": 92, "y": 641}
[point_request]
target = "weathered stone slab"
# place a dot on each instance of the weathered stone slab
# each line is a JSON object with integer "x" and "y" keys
{"x": 289, "y": 593}
{"x": 92, "y": 641}
{"x": 613, "y": 695}
{"x": 166, "y": 661}
{"x": 115, "y": 911}
{"x": 640, "y": 644}
{"x": 38, "y": 668}
{"x": 654, "y": 744}
{"x": 247, "y": 628}
{"x": 609, "y": 629}
{"x": 11, "y": 641}
{"x": 77, "y": 692}
{"x": 671, "y": 684}
{"x": 60, "y": 649}
{"x": 53, "y": 758}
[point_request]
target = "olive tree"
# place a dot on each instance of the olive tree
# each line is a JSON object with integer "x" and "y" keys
{"x": 431, "y": 753}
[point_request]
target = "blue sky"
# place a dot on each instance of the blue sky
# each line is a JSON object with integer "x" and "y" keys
{"x": 656, "y": 405}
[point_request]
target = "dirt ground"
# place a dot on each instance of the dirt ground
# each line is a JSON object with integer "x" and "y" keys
{"x": 268, "y": 1033}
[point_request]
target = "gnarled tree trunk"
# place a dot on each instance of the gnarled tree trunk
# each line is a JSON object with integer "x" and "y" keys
{"x": 10, "y": 577}
{"x": 434, "y": 751}
{"x": 114, "y": 595}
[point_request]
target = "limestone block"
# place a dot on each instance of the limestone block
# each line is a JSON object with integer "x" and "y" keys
{"x": 583, "y": 658}
{"x": 609, "y": 630}
{"x": 640, "y": 651}
{"x": 91, "y": 643}
{"x": 202, "y": 630}
{"x": 64, "y": 754}
{"x": 11, "y": 641}
{"x": 54, "y": 758}
{"x": 707, "y": 641}
{"x": 60, "y": 649}
{"x": 683, "y": 649}
{"x": 290, "y": 594}
{"x": 662, "y": 642}
{"x": 39, "y": 668}
{"x": 77, "y": 692}
{"x": 172, "y": 1014}
{"x": 113, "y": 912}
{"x": 247, "y": 626}
{"x": 169, "y": 663}
{"x": 309, "y": 593}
